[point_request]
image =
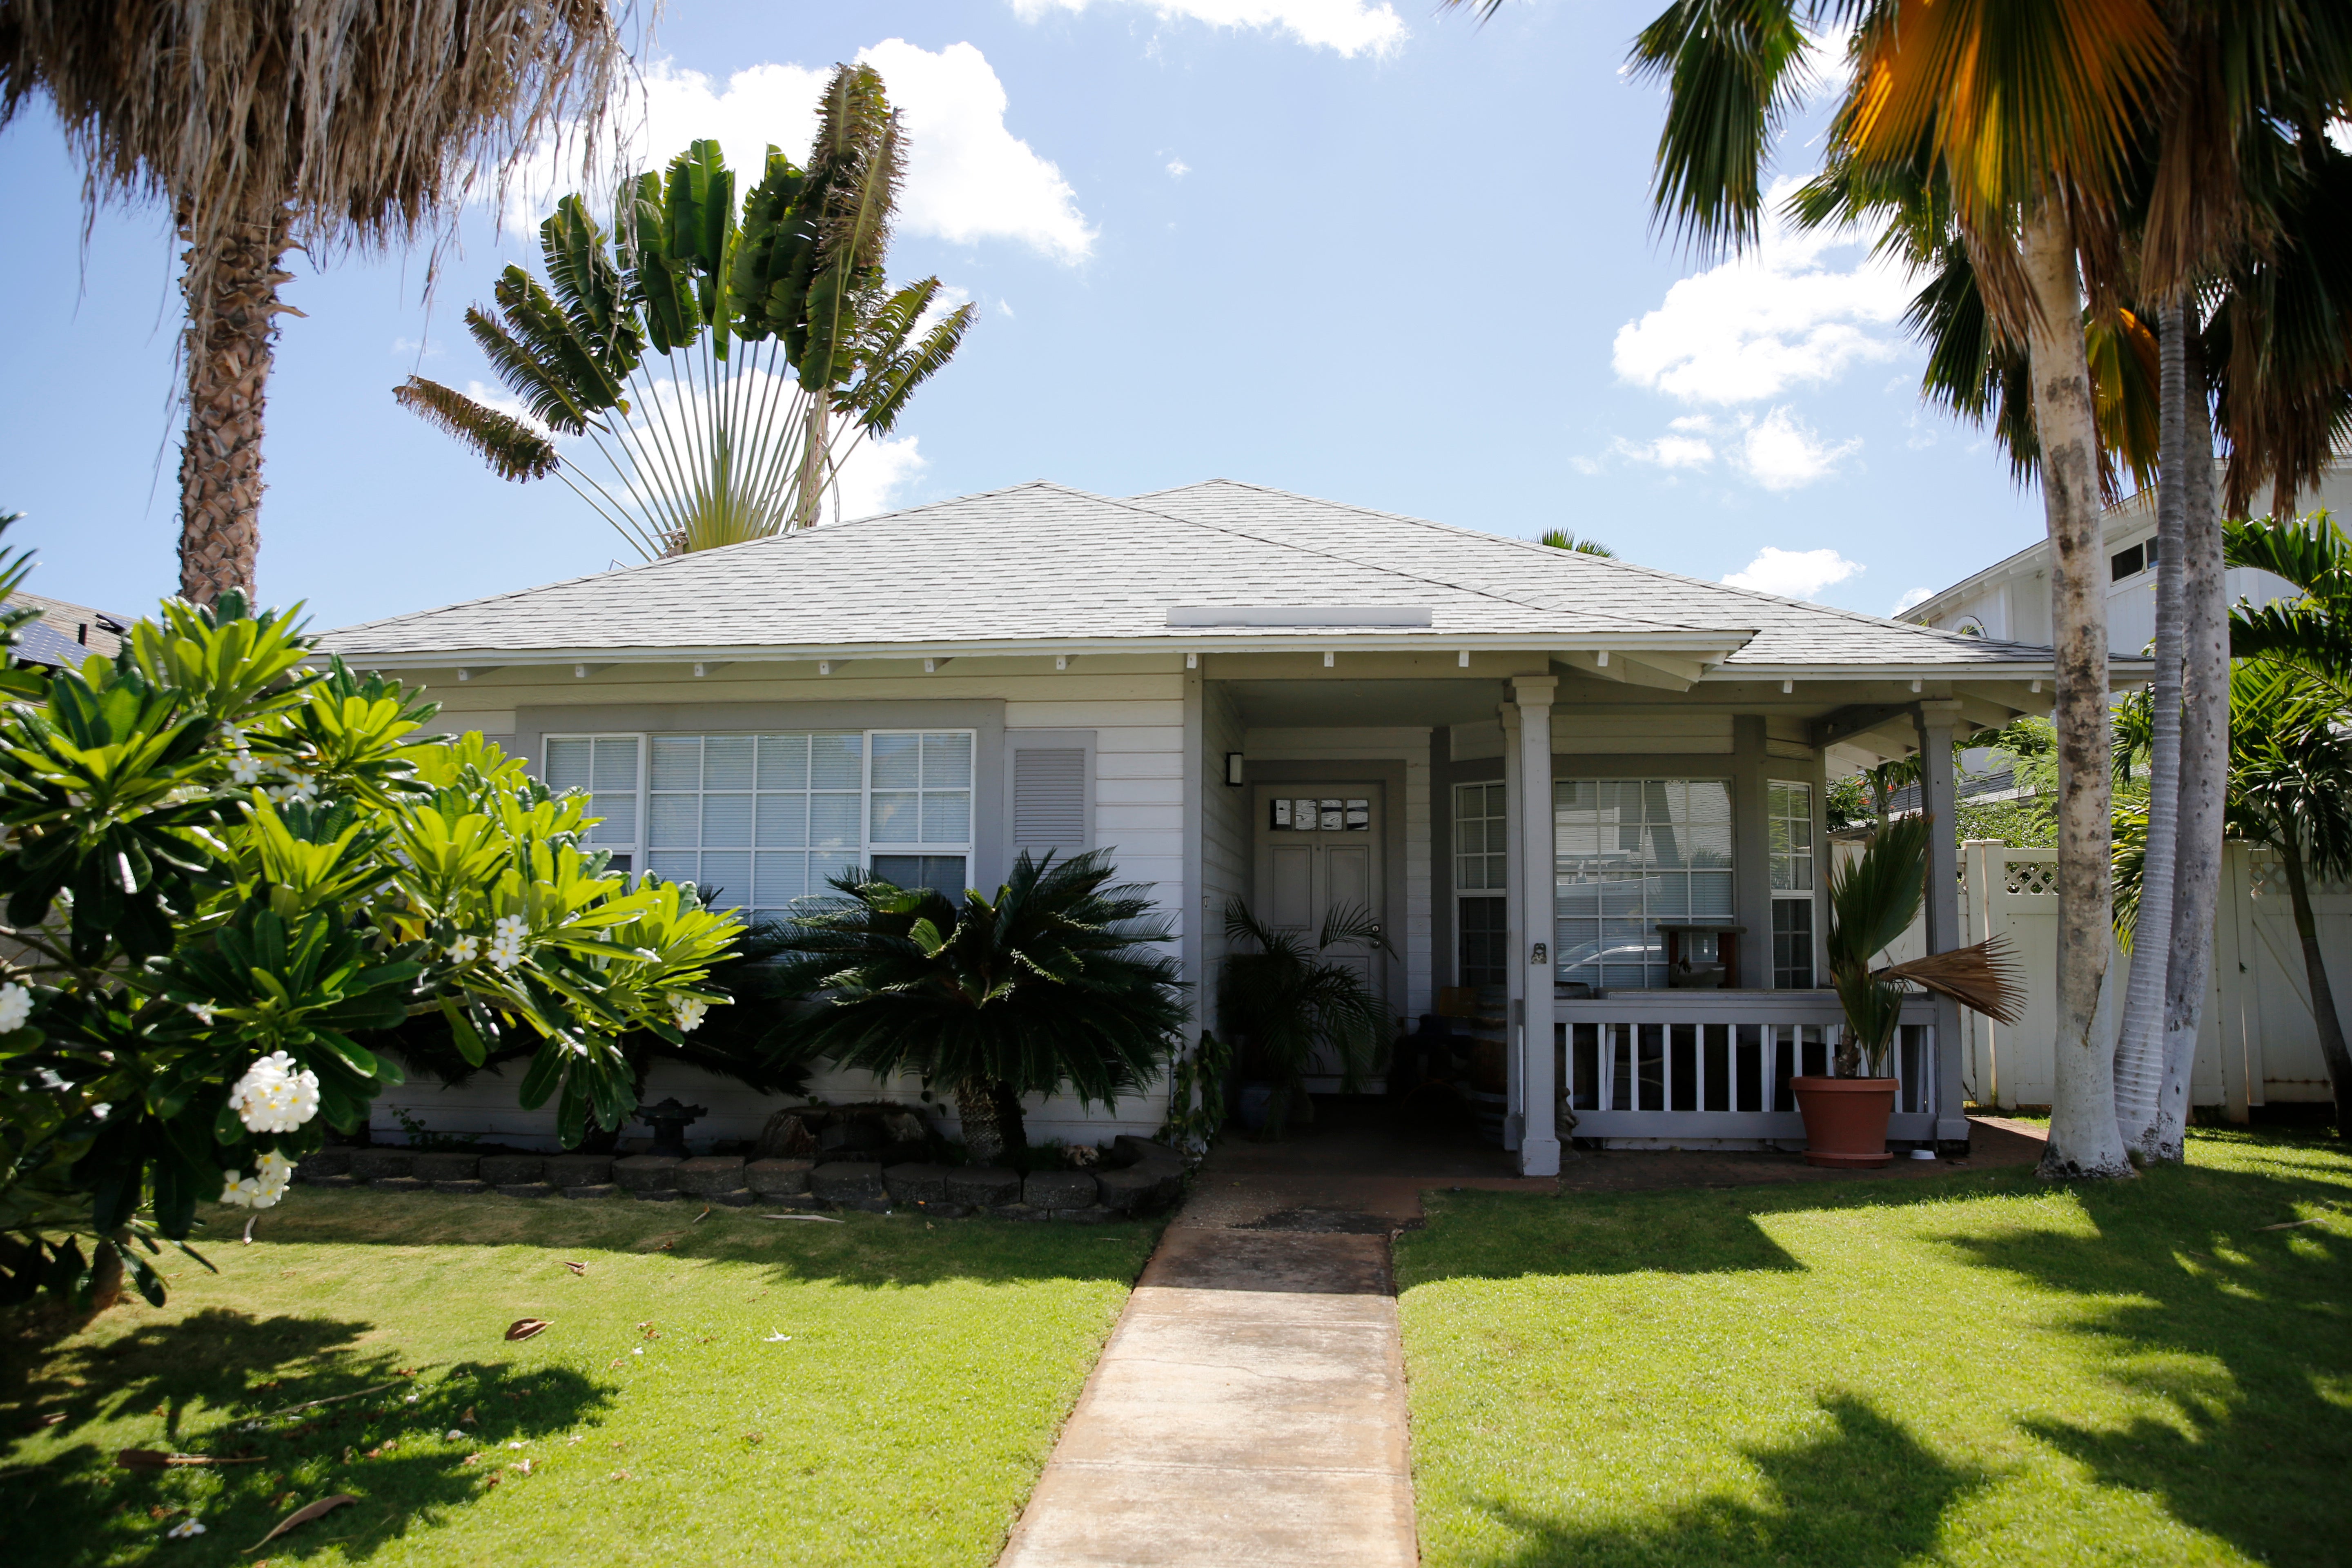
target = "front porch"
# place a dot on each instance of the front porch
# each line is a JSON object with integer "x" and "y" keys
{"x": 1678, "y": 824}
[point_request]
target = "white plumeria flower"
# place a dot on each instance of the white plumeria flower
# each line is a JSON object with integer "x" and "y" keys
{"x": 506, "y": 951}
{"x": 688, "y": 1012}
{"x": 16, "y": 1006}
{"x": 187, "y": 1527}
{"x": 466, "y": 949}
{"x": 509, "y": 925}
{"x": 300, "y": 787}
{"x": 204, "y": 1012}
{"x": 244, "y": 768}
{"x": 262, "y": 1189}
{"x": 276, "y": 1094}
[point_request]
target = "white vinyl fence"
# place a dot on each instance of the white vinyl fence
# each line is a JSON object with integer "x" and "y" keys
{"x": 2258, "y": 1043}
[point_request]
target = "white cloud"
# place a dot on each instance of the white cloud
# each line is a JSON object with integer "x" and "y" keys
{"x": 1780, "y": 453}
{"x": 413, "y": 348}
{"x": 1178, "y": 168}
{"x": 1794, "y": 573}
{"x": 968, "y": 177}
{"x": 1349, "y": 27}
{"x": 1667, "y": 451}
{"x": 1916, "y": 596}
{"x": 1781, "y": 316}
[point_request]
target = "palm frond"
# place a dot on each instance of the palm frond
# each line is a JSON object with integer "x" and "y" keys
{"x": 514, "y": 450}
{"x": 1985, "y": 977}
{"x": 369, "y": 124}
{"x": 1734, "y": 75}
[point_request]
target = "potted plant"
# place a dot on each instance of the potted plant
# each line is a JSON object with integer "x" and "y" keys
{"x": 1873, "y": 901}
{"x": 1057, "y": 984}
{"x": 1286, "y": 1002}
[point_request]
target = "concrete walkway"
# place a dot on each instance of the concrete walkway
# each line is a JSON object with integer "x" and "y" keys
{"x": 1249, "y": 1408}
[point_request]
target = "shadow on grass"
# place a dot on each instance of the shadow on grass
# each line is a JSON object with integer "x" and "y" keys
{"x": 861, "y": 1250}
{"x": 2193, "y": 1288}
{"x": 1864, "y": 1494}
{"x": 2246, "y": 1335}
{"x": 376, "y": 1443}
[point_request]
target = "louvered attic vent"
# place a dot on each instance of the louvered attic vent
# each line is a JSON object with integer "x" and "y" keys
{"x": 1049, "y": 799}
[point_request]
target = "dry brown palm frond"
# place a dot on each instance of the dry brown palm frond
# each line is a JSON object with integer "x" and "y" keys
{"x": 365, "y": 121}
{"x": 1984, "y": 978}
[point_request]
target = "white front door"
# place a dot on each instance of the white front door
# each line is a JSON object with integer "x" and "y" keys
{"x": 1319, "y": 849}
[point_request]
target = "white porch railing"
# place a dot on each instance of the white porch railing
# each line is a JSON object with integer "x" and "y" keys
{"x": 1707, "y": 1065}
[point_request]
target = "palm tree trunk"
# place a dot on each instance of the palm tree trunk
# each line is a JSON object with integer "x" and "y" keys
{"x": 2139, "y": 1047}
{"x": 991, "y": 1114}
{"x": 2332, "y": 1049}
{"x": 2204, "y": 756}
{"x": 2083, "y": 1141}
{"x": 808, "y": 498}
{"x": 228, "y": 377}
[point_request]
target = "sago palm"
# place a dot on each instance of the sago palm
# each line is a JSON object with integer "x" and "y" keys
{"x": 267, "y": 124}
{"x": 713, "y": 361}
{"x": 1054, "y": 985}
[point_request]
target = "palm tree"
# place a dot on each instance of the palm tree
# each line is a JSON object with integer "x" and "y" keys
{"x": 298, "y": 122}
{"x": 1051, "y": 985}
{"x": 1873, "y": 900}
{"x": 1287, "y": 1003}
{"x": 2003, "y": 129}
{"x": 771, "y": 335}
{"x": 1562, "y": 539}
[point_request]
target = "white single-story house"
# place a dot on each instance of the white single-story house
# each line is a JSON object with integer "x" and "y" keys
{"x": 1553, "y": 774}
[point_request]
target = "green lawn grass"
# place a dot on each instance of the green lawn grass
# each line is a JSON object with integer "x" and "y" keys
{"x": 924, "y": 1370}
{"x": 1977, "y": 1370}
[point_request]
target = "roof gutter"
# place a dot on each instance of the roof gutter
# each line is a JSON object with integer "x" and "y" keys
{"x": 1715, "y": 645}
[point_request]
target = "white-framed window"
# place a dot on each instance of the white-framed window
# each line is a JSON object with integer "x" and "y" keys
{"x": 1628, "y": 854}
{"x": 1788, "y": 824}
{"x": 611, "y": 768}
{"x": 1482, "y": 859}
{"x": 761, "y": 820}
{"x": 919, "y": 816}
{"x": 1481, "y": 838}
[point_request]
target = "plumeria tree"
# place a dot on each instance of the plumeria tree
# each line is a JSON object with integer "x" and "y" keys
{"x": 225, "y": 859}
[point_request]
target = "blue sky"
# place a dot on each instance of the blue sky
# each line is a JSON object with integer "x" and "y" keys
{"x": 1359, "y": 250}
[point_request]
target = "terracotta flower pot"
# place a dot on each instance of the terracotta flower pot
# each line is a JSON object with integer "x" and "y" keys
{"x": 1845, "y": 1119}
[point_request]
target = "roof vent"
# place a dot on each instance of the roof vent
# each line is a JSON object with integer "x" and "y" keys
{"x": 1301, "y": 616}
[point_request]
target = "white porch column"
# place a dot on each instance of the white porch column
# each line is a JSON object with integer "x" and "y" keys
{"x": 1539, "y": 1136}
{"x": 1938, "y": 721}
{"x": 1515, "y": 926}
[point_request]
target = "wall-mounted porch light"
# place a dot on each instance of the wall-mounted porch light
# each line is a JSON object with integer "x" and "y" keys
{"x": 1233, "y": 769}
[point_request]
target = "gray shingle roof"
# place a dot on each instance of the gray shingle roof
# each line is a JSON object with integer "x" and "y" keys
{"x": 1041, "y": 565}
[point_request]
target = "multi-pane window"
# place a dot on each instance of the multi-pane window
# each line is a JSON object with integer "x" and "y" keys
{"x": 1481, "y": 842}
{"x": 758, "y": 821}
{"x": 919, "y": 820}
{"x": 1789, "y": 815}
{"x": 1482, "y": 858}
{"x": 1630, "y": 853}
{"x": 607, "y": 767}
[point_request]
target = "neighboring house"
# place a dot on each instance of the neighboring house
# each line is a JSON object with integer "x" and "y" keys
{"x": 2011, "y": 599}
{"x": 1246, "y": 694}
{"x": 66, "y": 633}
